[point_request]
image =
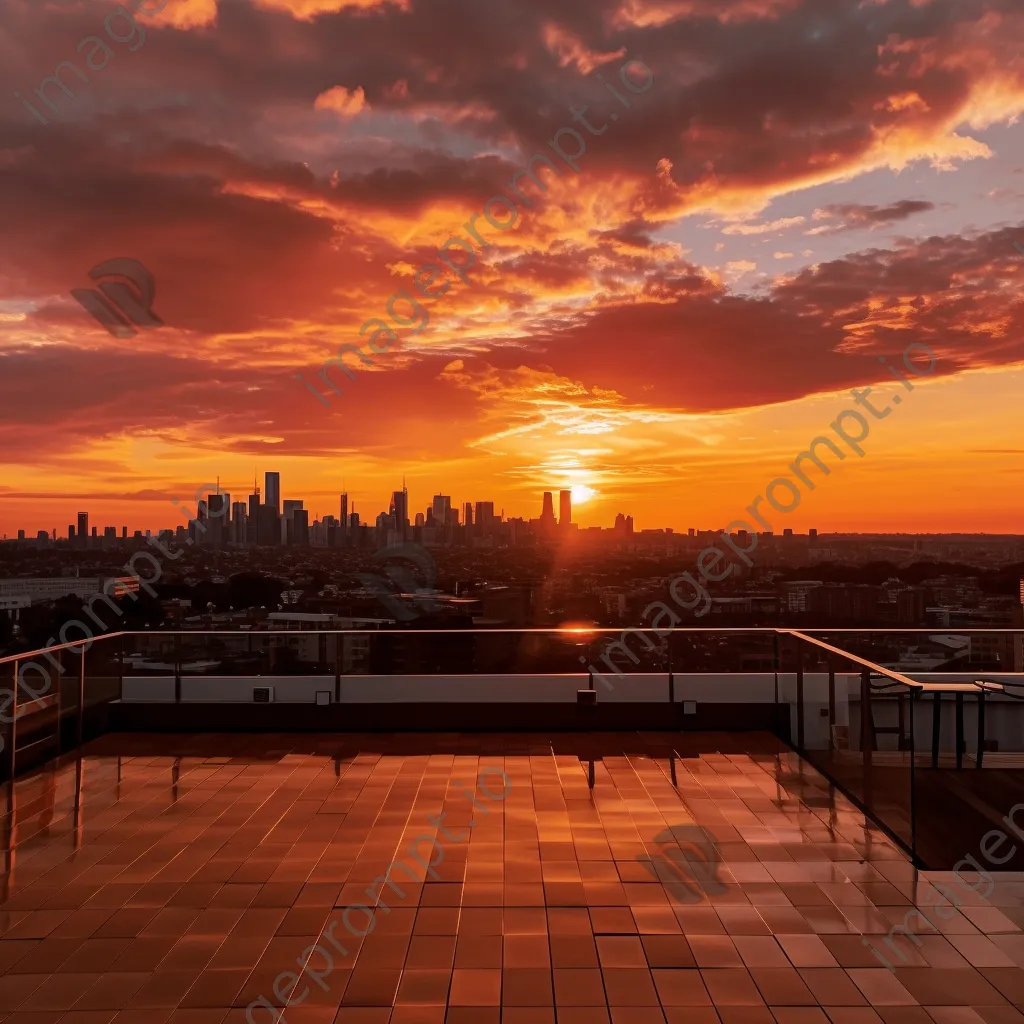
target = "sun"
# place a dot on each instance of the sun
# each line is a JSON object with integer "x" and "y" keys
{"x": 582, "y": 493}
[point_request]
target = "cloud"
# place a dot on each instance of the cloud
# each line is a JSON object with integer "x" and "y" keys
{"x": 855, "y": 216}
{"x": 341, "y": 101}
{"x": 274, "y": 235}
{"x": 763, "y": 229}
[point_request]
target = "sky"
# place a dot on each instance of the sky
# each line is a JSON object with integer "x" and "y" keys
{"x": 772, "y": 200}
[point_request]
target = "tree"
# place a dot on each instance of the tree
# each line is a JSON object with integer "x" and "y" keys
{"x": 251, "y": 590}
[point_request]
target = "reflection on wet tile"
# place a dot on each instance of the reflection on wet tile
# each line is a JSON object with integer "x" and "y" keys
{"x": 477, "y": 879}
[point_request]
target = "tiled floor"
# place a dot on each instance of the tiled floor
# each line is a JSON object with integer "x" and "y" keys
{"x": 722, "y": 882}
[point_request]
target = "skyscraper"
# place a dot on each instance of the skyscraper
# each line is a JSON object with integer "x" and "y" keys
{"x": 83, "y": 528}
{"x": 299, "y": 528}
{"x": 268, "y": 526}
{"x": 291, "y": 506}
{"x": 344, "y": 516}
{"x": 564, "y": 509}
{"x": 441, "y": 507}
{"x": 218, "y": 507}
{"x": 399, "y": 512}
{"x": 484, "y": 518}
{"x": 272, "y": 494}
{"x": 469, "y": 513}
{"x": 199, "y": 528}
{"x": 239, "y": 523}
{"x": 254, "y": 516}
{"x": 547, "y": 514}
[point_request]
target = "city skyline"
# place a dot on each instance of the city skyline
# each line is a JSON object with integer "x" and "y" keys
{"x": 217, "y": 505}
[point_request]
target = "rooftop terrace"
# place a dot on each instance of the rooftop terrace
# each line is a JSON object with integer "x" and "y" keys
{"x": 172, "y": 855}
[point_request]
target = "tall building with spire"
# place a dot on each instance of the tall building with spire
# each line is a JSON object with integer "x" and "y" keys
{"x": 399, "y": 511}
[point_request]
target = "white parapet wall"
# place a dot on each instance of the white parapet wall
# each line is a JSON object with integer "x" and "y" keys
{"x": 644, "y": 688}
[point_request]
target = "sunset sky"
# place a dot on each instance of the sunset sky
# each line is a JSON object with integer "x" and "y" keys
{"x": 805, "y": 186}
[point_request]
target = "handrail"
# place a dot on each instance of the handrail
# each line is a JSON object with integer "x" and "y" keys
{"x": 27, "y": 655}
{"x": 896, "y": 677}
{"x": 661, "y": 633}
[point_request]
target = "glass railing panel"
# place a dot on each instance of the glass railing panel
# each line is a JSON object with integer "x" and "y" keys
{"x": 855, "y": 722}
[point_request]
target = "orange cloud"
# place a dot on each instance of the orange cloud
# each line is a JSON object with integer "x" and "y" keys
{"x": 341, "y": 101}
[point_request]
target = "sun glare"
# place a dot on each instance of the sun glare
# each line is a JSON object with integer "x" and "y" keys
{"x": 582, "y": 493}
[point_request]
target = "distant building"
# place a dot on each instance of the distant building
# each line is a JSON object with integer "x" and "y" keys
{"x": 239, "y": 523}
{"x": 796, "y": 593}
{"x": 441, "y": 506}
{"x": 399, "y": 513}
{"x": 272, "y": 495}
{"x": 564, "y": 508}
{"x": 484, "y": 518}
{"x": 291, "y": 506}
{"x": 268, "y": 526}
{"x": 299, "y": 535}
{"x": 23, "y": 592}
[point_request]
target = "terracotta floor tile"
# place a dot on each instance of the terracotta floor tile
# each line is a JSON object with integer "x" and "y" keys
{"x": 637, "y": 1015}
{"x": 583, "y": 1015}
{"x": 573, "y": 951}
{"x": 681, "y": 987}
{"x": 424, "y": 986}
{"x": 519, "y": 951}
{"x": 667, "y": 951}
{"x": 949, "y": 987}
{"x": 478, "y": 952}
{"x": 760, "y": 951}
{"x": 475, "y": 988}
{"x": 527, "y": 1015}
{"x": 691, "y": 1015}
{"x": 1008, "y": 980}
{"x": 714, "y": 951}
{"x": 799, "y": 1015}
{"x": 526, "y": 987}
{"x": 578, "y": 987}
{"x": 472, "y": 1015}
{"x": 731, "y": 986}
{"x": 372, "y": 987}
{"x": 852, "y": 1015}
{"x": 620, "y": 951}
{"x": 431, "y": 951}
{"x": 832, "y": 986}
{"x": 409, "y": 1014}
{"x": 782, "y": 986}
{"x": 629, "y": 986}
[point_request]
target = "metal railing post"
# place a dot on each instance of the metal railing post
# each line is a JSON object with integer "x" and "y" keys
{"x": 14, "y": 725}
{"x": 913, "y": 779}
{"x": 671, "y": 678}
{"x": 339, "y": 645}
{"x": 775, "y": 651}
{"x": 865, "y": 715}
{"x": 81, "y": 698}
{"x": 177, "y": 668}
{"x": 831, "y": 704}
{"x": 799, "y": 696}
